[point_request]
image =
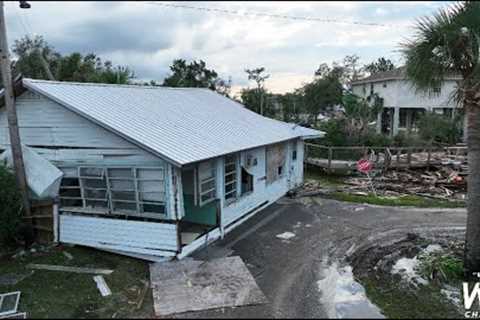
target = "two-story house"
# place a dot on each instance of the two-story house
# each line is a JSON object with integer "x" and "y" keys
{"x": 402, "y": 102}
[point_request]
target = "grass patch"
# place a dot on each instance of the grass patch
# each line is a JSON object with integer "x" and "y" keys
{"x": 328, "y": 180}
{"x": 398, "y": 302}
{"x": 53, "y": 294}
{"x": 403, "y": 201}
{"x": 446, "y": 267}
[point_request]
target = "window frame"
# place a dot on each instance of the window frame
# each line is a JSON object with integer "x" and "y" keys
{"x": 208, "y": 180}
{"x": 139, "y": 202}
{"x": 233, "y": 182}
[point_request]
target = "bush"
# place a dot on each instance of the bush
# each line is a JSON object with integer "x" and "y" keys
{"x": 10, "y": 207}
{"x": 337, "y": 135}
{"x": 440, "y": 129}
{"x": 405, "y": 139}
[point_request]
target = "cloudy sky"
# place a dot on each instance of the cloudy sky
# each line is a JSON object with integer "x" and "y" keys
{"x": 147, "y": 36}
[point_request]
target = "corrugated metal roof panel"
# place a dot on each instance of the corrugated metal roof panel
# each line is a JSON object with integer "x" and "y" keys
{"x": 183, "y": 125}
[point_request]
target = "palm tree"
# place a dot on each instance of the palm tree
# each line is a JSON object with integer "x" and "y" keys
{"x": 448, "y": 44}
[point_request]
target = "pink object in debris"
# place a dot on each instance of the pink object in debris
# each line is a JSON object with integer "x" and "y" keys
{"x": 364, "y": 165}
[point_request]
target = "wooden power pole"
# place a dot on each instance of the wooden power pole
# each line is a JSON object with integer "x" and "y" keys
{"x": 12, "y": 113}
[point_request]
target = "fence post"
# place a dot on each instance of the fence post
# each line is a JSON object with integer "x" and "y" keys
{"x": 330, "y": 155}
{"x": 429, "y": 156}
{"x": 409, "y": 157}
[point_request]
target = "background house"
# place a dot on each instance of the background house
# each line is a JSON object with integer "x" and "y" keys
{"x": 402, "y": 103}
{"x": 154, "y": 171}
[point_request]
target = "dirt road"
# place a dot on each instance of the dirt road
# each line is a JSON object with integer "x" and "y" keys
{"x": 325, "y": 232}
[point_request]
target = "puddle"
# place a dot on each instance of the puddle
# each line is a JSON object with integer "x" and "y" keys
{"x": 286, "y": 235}
{"x": 343, "y": 297}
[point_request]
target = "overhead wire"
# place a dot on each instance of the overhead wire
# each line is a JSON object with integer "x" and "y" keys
{"x": 270, "y": 15}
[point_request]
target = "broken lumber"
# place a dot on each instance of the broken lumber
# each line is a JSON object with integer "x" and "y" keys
{"x": 102, "y": 286}
{"x": 68, "y": 269}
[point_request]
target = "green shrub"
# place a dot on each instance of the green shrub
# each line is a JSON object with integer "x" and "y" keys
{"x": 441, "y": 265}
{"x": 10, "y": 207}
{"x": 405, "y": 139}
{"x": 439, "y": 128}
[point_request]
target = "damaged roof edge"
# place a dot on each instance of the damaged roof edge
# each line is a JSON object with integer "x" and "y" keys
{"x": 29, "y": 86}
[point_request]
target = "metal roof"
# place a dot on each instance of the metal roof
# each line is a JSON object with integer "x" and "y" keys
{"x": 395, "y": 74}
{"x": 181, "y": 125}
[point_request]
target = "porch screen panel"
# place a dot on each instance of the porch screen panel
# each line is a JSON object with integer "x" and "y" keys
{"x": 207, "y": 182}
{"x": 230, "y": 177}
{"x": 116, "y": 190}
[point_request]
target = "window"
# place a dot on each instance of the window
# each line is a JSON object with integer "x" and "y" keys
{"x": 403, "y": 118}
{"x": 206, "y": 182}
{"x": 371, "y": 89}
{"x": 384, "y": 84}
{"x": 230, "y": 177}
{"x": 115, "y": 190}
{"x": 280, "y": 171}
{"x": 294, "y": 155}
{"x": 437, "y": 90}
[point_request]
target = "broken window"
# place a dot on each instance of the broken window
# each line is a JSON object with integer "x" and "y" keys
{"x": 207, "y": 184}
{"x": 230, "y": 177}
{"x": 94, "y": 187}
{"x": 115, "y": 190}
{"x": 247, "y": 182}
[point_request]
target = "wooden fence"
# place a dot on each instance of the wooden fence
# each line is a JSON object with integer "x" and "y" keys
{"x": 345, "y": 158}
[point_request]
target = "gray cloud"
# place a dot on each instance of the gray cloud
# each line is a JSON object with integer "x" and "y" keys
{"x": 147, "y": 37}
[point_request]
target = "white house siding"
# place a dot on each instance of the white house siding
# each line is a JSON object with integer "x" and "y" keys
{"x": 69, "y": 140}
{"x": 63, "y": 136}
{"x": 400, "y": 93}
{"x": 262, "y": 191}
{"x": 150, "y": 238}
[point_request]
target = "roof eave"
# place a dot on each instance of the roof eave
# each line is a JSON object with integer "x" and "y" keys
{"x": 32, "y": 87}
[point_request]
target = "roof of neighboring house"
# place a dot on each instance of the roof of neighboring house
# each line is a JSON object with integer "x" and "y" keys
{"x": 395, "y": 74}
{"x": 181, "y": 125}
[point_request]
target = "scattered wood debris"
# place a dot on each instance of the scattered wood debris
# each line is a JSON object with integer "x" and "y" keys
{"x": 69, "y": 269}
{"x": 68, "y": 255}
{"x": 443, "y": 182}
{"x": 143, "y": 293}
{"x": 102, "y": 286}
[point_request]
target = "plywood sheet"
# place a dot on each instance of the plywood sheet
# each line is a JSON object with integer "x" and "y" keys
{"x": 192, "y": 285}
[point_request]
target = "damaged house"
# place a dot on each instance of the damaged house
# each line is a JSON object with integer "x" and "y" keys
{"x": 151, "y": 172}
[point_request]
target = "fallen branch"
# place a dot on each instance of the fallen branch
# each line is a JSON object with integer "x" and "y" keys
{"x": 69, "y": 269}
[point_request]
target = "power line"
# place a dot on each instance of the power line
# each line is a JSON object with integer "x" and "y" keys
{"x": 269, "y": 15}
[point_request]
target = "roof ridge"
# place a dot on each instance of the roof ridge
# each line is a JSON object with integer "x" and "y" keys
{"x": 99, "y": 84}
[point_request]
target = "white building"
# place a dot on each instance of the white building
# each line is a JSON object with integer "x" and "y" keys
{"x": 153, "y": 171}
{"x": 402, "y": 102}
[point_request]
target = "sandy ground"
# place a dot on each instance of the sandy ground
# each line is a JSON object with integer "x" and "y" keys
{"x": 293, "y": 244}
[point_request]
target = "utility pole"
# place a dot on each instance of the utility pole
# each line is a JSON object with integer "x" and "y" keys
{"x": 11, "y": 113}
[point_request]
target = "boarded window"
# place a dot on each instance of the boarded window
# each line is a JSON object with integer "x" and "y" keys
{"x": 116, "y": 190}
{"x": 230, "y": 177}
{"x": 276, "y": 156}
{"x": 206, "y": 182}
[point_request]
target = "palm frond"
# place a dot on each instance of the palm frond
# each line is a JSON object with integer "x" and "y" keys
{"x": 445, "y": 44}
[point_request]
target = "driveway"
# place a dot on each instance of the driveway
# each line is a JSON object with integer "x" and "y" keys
{"x": 325, "y": 232}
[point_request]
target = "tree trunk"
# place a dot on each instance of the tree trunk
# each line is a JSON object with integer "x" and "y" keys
{"x": 472, "y": 241}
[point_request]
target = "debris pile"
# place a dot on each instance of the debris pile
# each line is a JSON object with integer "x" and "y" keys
{"x": 444, "y": 183}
